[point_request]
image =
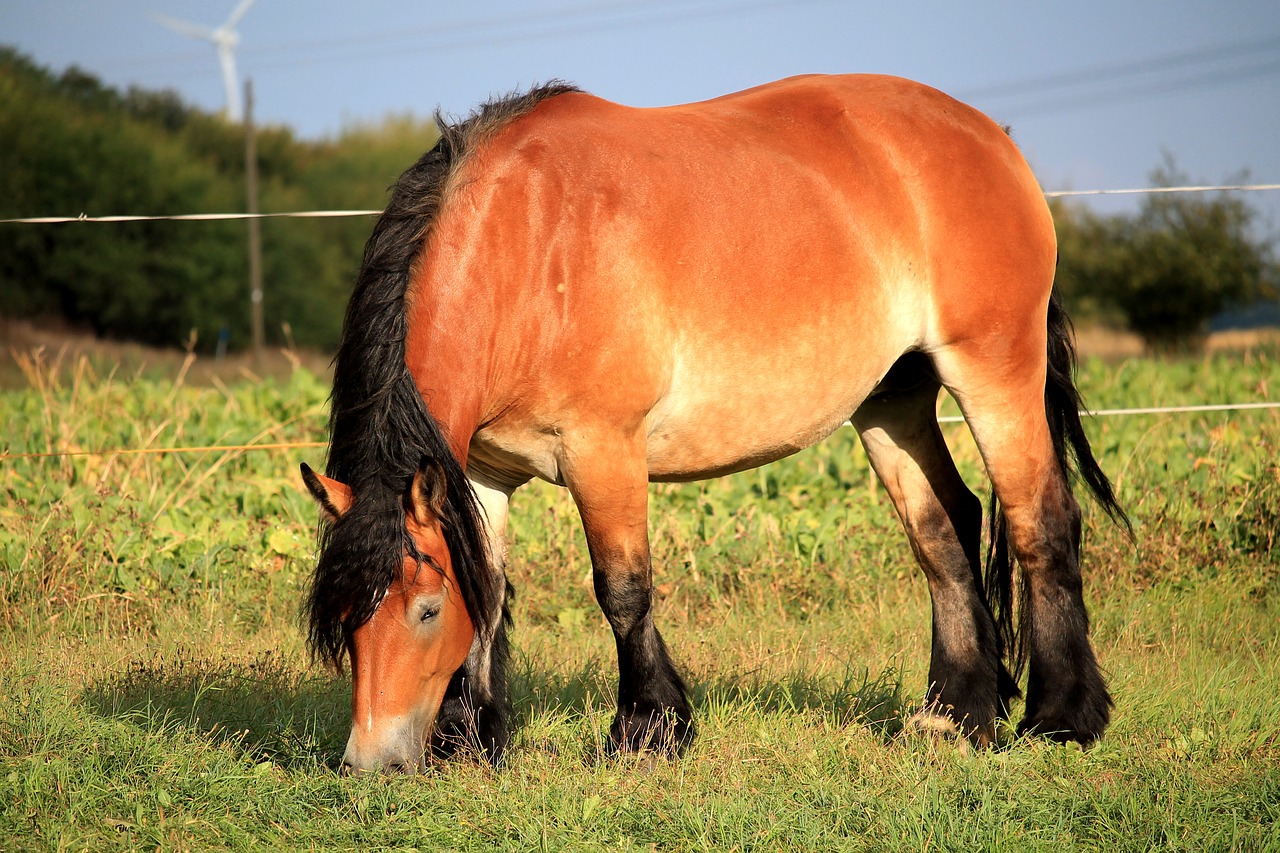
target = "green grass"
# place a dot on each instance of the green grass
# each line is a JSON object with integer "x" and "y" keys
{"x": 154, "y": 689}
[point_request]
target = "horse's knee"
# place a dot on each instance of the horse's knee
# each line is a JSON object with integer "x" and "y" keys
{"x": 625, "y": 597}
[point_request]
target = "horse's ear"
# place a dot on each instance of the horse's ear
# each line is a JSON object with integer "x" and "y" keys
{"x": 428, "y": 492}
{"x": 334, "y": 497}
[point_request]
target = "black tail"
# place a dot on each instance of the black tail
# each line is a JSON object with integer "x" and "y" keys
{"x": 1062, "y": 403}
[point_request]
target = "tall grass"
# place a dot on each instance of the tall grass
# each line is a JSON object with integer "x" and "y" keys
{"x": 154, "y": 690}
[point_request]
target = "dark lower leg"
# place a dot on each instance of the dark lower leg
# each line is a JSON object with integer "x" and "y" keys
{"x": 474, "y": 714}
{"x": 1067, "y": 698}
{"x": 968, "y": 682}
{"x": 607, "y": 474}
{"x": 653, "y": 707}
{"x": 999, "y": 380}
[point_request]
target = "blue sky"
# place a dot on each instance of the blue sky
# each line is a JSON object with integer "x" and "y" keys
{"x": 1095, "y": 91}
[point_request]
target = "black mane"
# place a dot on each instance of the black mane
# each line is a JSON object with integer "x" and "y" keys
{"x": 379, "y": 427}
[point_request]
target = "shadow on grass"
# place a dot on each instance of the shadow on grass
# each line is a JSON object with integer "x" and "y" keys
{"x": 266, "y": 709}
{"x": 856, "y": 697}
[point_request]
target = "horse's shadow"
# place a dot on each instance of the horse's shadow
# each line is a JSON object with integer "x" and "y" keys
{"x": 267, "y": 709}
{"x": 856, "y": 697}
{"x": 264, "y": 708}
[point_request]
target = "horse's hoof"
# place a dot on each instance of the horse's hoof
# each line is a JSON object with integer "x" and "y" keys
{"x": 1082, "y": 722}
{"x": 939, "y": 726}
{"x": 667, "y": 731}
{"x": 1061, "y": 731}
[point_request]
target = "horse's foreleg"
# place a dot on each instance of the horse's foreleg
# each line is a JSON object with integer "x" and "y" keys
{"x": 969, "y": 686}
{"x": 609, "y": 482}
{"x": 475, "y": 711}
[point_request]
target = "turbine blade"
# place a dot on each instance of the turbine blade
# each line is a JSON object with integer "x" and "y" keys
{"x": 184, "y": 27}
{"x": 237, "y": 14}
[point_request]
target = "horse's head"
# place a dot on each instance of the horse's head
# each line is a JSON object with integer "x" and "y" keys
{"x": 417, "y": 636}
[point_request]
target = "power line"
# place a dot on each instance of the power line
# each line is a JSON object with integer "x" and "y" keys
{"x": 497, "y": 32}
{"x": 491, "y": 31}
{"x": 1178, "y": 72}
{"x": 542, "y": 20}
{"x": 1110, "y": 72}
{"x": 1092, "y": 85}
{"x": 380, "y": 39}
{"x": 1156, "y": 87}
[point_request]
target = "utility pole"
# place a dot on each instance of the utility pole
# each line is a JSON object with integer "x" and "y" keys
{"x": 255, "y": 227}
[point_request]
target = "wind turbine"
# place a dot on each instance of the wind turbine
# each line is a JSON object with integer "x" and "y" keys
{"x": 224, "y": 39}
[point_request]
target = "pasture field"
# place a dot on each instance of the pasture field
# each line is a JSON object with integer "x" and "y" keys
{"x": 155, "y": 691}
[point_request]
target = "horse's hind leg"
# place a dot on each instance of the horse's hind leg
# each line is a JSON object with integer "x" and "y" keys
{"x": 608, "y": 477}
{"x": 968, "y": 683}
{"x": 1001, "y": 390}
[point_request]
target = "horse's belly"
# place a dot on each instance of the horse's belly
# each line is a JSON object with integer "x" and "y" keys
{"x": 707, "y": 425}
{"x": 713, "y": 425}
{"x": 709, "y": 404}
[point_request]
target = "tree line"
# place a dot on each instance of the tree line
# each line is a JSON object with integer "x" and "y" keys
{"x": 1167, "y": 270}
{"x": 74, "y": 145}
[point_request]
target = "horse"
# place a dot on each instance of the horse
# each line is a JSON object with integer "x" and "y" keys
{"x": 603, "y": 296}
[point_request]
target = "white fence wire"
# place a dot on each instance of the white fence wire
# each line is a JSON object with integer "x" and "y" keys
{"x": 1153, "y": 410}
{"x": 337, "y": 214}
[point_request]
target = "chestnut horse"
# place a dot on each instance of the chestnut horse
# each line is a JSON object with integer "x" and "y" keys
{"x": 602, "y": 296}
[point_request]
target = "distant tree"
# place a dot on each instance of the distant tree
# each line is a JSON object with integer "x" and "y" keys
{"x": 74, "y": 149}
{"x": 70, "y": 144}
{"x": 165, "y": 108}
{"x": 1165, "y": 272}
{"x": 1090, "y": 250}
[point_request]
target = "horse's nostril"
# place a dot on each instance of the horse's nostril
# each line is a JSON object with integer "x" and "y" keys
{"x": 400, "y": 766}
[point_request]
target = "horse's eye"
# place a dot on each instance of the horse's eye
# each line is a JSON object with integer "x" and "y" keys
{"x": 429, "y": 613}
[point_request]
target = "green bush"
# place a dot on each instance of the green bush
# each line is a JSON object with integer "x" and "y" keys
{"x": 1166, "y": 271}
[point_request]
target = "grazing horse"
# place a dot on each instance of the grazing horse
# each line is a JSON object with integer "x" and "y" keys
{"x": 603, "y": 296}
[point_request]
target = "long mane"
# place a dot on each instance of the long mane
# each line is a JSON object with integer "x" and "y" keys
{"x": 379, "y": 427}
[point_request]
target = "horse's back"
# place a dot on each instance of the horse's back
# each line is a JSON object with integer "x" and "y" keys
{"x": 808, "y": 193}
